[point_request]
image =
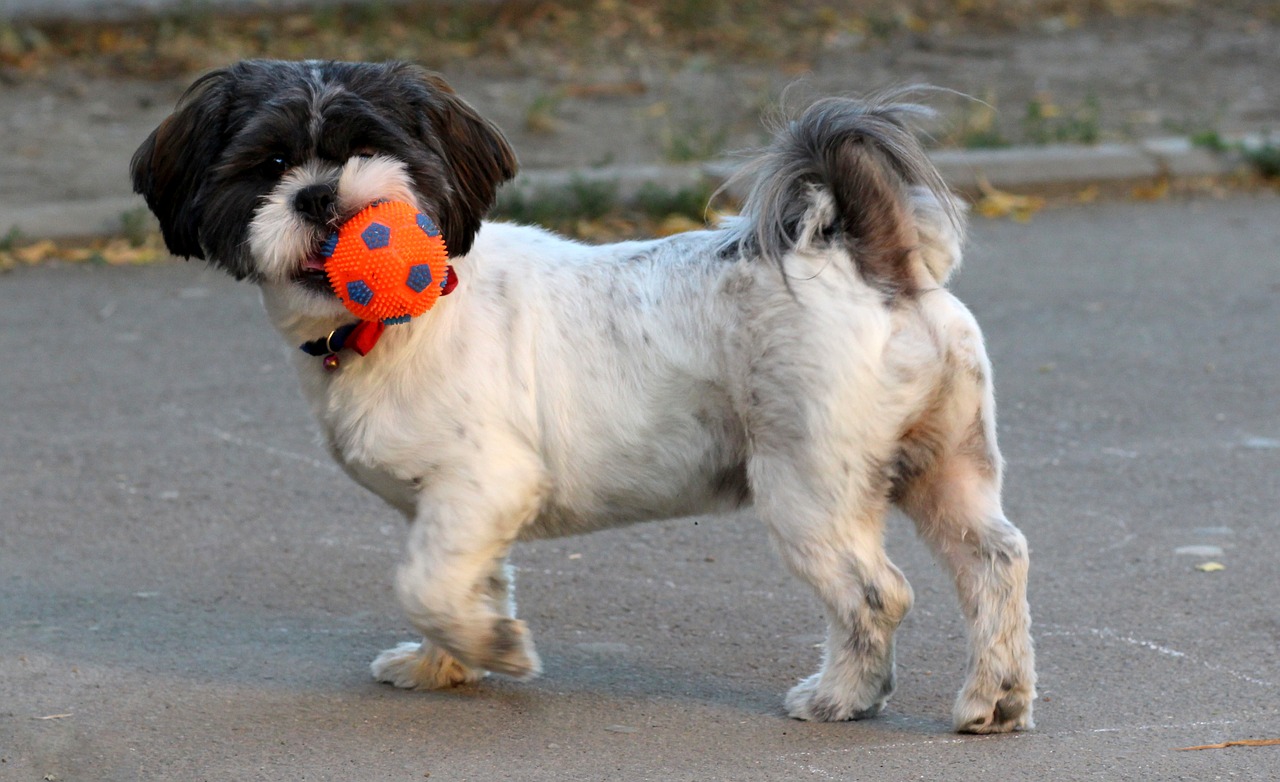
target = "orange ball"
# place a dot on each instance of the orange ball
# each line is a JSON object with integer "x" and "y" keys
{"x": 387, "y": 263}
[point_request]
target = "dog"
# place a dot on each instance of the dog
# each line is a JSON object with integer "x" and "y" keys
{"x": 803, "y": 358}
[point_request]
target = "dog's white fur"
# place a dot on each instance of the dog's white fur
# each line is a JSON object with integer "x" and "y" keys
{"x": 529, "y": 403}
{"x": 805, "y": 358}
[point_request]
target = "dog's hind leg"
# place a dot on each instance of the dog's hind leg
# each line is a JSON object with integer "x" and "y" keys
{"x": 955, "y": 503}
{"x": 831, "y": 537}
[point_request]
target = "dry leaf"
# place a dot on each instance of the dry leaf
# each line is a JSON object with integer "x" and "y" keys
{"x": 1088, "y": 195}
{"x": 603, "y": 230}
{"x": 35, "y": 253}
{"x": 541, "y": 122}
{"x": 915, "y": 24}
{"x": 1048, "y": 109}
{"x": 678, "y": 224}
{"x": 119, "y": 252}
{"x": 1152, "y": 192}
{"x": 607, "y": 89}
{"x": 1236, "y": 743}
{"x": 998, "y": 203}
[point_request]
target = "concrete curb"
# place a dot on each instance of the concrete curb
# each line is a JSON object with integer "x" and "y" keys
{"x": 69, "y": 219}
{"x": 1057, "y": 169}
{"x": 1026, "y": 170}
{"x": 1064, "y": 168}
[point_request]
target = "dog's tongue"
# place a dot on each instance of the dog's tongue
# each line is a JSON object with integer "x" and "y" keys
{"x": 313, "y": 264}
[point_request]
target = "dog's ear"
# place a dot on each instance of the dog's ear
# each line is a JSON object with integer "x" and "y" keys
{"x": 477, "y": 158}
{"x": 171, "y": 164}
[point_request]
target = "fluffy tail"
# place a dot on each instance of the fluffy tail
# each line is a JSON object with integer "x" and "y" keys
{"x": 852, "y": 171}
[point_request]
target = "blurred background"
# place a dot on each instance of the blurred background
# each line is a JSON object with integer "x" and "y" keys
{"x": 612, "y": 85}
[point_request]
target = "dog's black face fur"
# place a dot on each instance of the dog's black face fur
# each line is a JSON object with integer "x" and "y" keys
{"x": 208, "y": 167}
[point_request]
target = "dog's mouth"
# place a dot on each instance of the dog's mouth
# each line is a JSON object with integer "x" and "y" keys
{"x": 312, "y": 275}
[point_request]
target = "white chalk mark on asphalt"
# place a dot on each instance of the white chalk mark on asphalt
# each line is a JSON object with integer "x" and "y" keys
{"x": 1198, "y": 551}
{"x": 1121, "y": 543}
{"x": 1138, "y": 728}
{"x": 1111, "y": 635}
{"x": 1152, "y": 645}
{"x": 1260, "y": 443}
{"x": 237, "y": 440}
{"x": 805, "y": 761}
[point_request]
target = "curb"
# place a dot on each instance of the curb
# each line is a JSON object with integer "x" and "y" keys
{"x": 69, "y": 219}
{"x": 1055, "y": 169}
{"x": 1048, "y": 170}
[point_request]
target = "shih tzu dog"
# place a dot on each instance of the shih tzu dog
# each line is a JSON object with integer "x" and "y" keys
{"x": 804, "y": 358}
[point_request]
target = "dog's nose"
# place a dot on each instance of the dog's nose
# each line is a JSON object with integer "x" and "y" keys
{"x": 315, "y": 202}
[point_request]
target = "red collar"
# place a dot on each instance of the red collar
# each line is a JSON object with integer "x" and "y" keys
{"x": 360, "y": 336}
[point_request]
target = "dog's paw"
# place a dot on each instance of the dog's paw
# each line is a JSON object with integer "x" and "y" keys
{"x": 422, "y": 666}
{"x": 510, "y": 650}
{"x": 1005, "y": 711}
{"x": 812, "y": 702}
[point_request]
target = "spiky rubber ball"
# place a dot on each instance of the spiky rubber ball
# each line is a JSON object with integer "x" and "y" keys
{"x": 387, "y": 263}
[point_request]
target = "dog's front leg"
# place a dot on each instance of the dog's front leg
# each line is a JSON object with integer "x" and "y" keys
{"x": 425, "y": 666}
{"x": 454, "y": 584}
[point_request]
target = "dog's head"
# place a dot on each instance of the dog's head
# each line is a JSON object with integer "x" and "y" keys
{"x": 260, "y": 162}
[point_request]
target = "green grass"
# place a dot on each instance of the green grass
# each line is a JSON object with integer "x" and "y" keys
{"x": 657, "y": 202}
{"x": 540, "y": 116}
{"x": 974, "y": 126}
{"x": 985, "y": 138}
{"x": 11, "y": 240}
{"x": 1211, "y": 140}
{"x": 693, "y": 140}
{"x": 137, "y": 225}
{"x": 1046, "y": 124}
{"x": 583, "y": 204}
{"x": 1262, "y": 158}
{"x": 558, "y": 207}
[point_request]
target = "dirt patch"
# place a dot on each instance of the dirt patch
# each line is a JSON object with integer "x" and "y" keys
{"x": 589, "y": 83}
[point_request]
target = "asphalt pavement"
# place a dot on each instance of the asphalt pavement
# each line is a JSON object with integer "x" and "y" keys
{"x": 189, "y": 590}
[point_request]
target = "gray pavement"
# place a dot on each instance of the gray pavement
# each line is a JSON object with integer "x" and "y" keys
{"x": 190, "y": 591}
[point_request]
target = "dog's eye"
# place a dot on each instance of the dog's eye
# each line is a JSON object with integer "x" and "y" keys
{"x": 274, "y": 166}
{"x": 363, "y": 152}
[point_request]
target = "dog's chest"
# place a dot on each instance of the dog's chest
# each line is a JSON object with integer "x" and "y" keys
{"x": 375, "y": 438}
{"x": 399, "y": 493}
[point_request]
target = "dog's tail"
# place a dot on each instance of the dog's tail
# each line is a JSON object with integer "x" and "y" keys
{"x": 853, "y": 171}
